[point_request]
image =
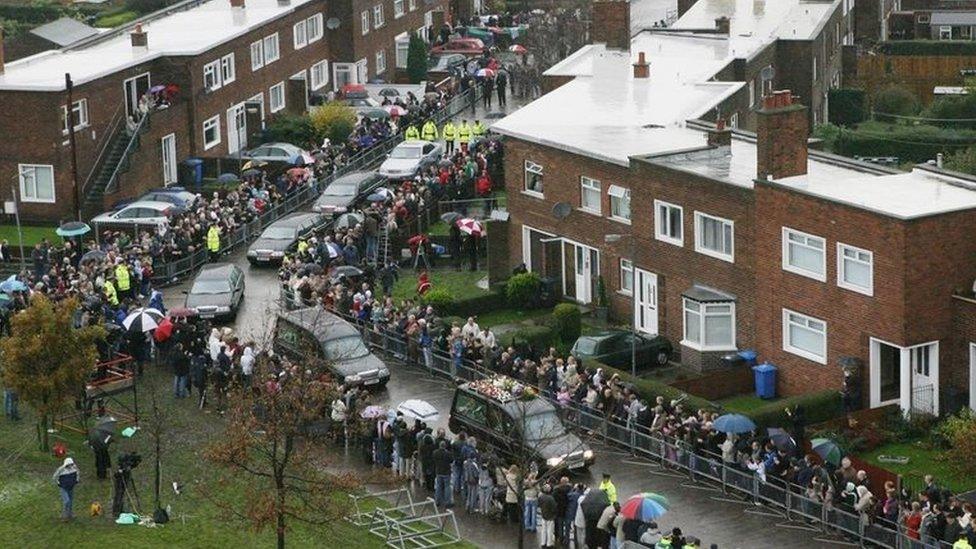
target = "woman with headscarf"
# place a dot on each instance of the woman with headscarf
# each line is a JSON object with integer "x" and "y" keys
{"x": 865, "y": 504}
{"x": 247, "y": 365}
{"x": 67, "y": 477}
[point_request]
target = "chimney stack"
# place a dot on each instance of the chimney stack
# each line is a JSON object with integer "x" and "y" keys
{"x": 139, "y": 37}
{"x": 237, "y": 4}
{"x": 1, "y": 50}
{"x": 642, "y": 69}
{"x": 721, "y": 135}
{"x": 781, "y": 137}
{"x": 723, "y": 25}
{"x": 611, "y": 23}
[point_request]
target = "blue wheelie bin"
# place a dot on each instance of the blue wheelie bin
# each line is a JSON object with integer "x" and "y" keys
{"x": 765, "y": 375}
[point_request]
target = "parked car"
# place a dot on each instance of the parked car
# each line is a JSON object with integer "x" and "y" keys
{"x": 445, "y": 65}
{"x": 342, "y": 193}
{"x": 217, "y": 291}
{"x": 316, "y": 333}
{"x": 613, "y": 348}
{"x": 177, "y": 196}
{"x": 274, "y": 152}
{"x": 143, "y": 212}
{"x": 470, "y": 47}
{"x": 409, "y": 157}
{"x": 514, "y": 426}
{"x": 281, "y": 237}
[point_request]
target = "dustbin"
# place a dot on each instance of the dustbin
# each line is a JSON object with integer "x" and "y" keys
{"x": 191, "y": 172}
{"x": 749, "y": 356}
{"x": 733, "y": 360}
{"x": 765, "y": 375}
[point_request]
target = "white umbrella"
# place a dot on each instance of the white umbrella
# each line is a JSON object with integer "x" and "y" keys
{"x": 419, "y": 409}
{"x": 143, "y": 319}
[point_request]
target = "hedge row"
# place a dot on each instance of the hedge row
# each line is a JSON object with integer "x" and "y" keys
{"x": 927, "y": 47}
{"x": 650, "y": 389}
{"x": 908, "y": 143}
{"x": 817, "y": 408}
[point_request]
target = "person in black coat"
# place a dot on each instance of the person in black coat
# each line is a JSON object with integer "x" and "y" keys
{"x": 500, "y": 82}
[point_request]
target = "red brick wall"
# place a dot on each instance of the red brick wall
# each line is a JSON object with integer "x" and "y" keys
{"x": 718, "y": 385}
{"x": 954, "y": 356}
{"x": 611, "y": 23}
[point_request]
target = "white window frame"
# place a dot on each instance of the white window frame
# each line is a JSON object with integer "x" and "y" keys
{"x": 703, "y": 312}
{"x": 298, "y": 36}
{"x": 661, "y": 225}
{"x": 211, "y": 123}
{"x": 81, "y": 107}
{"x": 364, "y": 20}
{"x": 618, "y": 195}
{"x": 398, "y": 13}
{"x": 808, "y": 242}
{"x": 803, "y": 322}
{"x": 32, "y": 197}
{"x": 842, "y": 268}
{"x": 228, "y": 70}
{"x": 380, "y": 62}
{"x": 271, "y": 39}
{"x": 316, "y": 83}
{"x": 211, "y": 71}
{"x": 626, "y": 269}
{"x": 428, "y": 18}
{"x": 273, "y": 104}
{"x": 314, "y": 30}
{"x": 413, "y": 5}
{"x": 588, "y": 185}
{"x": 535, "y": 168}
{"x": 378, "y": 16}
{"x": 401, "y": 50}
{"x": 257, "y": 54}
{"x": 699, "y": 234}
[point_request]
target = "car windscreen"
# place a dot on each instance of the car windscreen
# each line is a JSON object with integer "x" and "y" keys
{"x": 405, "y": 152}
{"x": 586, "y": 345}
{"x": 543, "y": 426}
{"x": 279, "y": 233}
{"x": 340, "y": 190}
{"x": 345, "y": 348}
{"x": 211, "y": 286}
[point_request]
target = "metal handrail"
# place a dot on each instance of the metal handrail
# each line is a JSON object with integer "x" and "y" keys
{"x": 129, "y": 147}
{"x": 108, "y": 137}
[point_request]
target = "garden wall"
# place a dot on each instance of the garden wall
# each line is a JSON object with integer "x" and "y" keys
{"x": 718, "y": 384}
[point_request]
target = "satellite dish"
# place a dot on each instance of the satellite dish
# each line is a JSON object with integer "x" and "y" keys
{"x": 561, "y": 209}
{"x": 767, "y": 72}
{"x": 332, "y": 23}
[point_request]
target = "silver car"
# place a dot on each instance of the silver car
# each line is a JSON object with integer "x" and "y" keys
{"x": 217, "y": 291}
{"x": 409, "y": 157}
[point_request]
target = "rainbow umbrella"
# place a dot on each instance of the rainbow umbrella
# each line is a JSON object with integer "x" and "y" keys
{"x": 645, "y": 507}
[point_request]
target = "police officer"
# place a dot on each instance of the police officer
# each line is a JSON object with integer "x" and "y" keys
{"x": 213, "y": 242}
{"x": 464, "y": 135}
{"x": 430, "y": 131}
{"x": 411, "y": 134}
{"x": 110, "y": 294}
{"x": 122, "y": 280}
{"x": 449, "y": 132}
{"x": 478, "y": 130}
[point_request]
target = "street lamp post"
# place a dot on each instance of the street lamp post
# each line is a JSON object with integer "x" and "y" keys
{"x": 610, "y": 239}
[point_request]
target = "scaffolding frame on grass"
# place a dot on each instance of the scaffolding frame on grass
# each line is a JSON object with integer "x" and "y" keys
{"x": 109, "y": 379}
{"x": 408, "y": 524}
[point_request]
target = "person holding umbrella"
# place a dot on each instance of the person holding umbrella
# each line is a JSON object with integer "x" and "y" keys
{"x": 66, "y": 477}
{"x": 99, "y": 438}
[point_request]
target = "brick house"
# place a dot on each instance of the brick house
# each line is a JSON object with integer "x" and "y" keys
{"x": 237, "y": 64}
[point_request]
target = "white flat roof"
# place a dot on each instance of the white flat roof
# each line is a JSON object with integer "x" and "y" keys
{"x": 183, "y": 33}
{"x": 762, "y": 19}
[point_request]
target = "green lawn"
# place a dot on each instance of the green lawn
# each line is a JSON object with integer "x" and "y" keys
{"x": 439, "y": 229}
{"x": 744, "y": 403}
{"x": 511, "y": 316}
{"x": 461, "y": 284}
{"x": 922, "y": 460}
{"x": 32, "y": 235}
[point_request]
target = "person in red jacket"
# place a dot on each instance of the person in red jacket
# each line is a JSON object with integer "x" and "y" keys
{"x": 423, "y": 283}
{"x": 483, "y": 184}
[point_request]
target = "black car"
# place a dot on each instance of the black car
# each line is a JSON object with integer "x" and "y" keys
{"x": 217, "y": 291}
{"x": 614, "y": 349}
{"x": 342, "y": 193}
{"x": 281, "y": 237}
{"x": 527, "y": 426}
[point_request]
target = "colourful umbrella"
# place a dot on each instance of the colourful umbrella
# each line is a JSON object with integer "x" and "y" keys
{"x": 485, "y": 73}
{"x": 827, "y": 449}
{"x": 645, "y": 507}
{"x": 373, "y": 412}
{"x": 471, "y": 226}
{"x": 395, "y": 110}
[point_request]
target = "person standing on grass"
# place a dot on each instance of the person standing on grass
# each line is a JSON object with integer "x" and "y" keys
{"x": 67, "y": 477}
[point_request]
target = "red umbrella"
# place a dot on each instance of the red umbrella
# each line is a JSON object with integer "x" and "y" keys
{"x": 471, "y": 226}
{"x": 517, "y": 48}
{"x": 164, "y": 331}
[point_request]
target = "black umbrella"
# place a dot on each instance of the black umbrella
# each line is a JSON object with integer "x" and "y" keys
{"x": 310, "y": 269}
{"x": 348, "y": 220}
{"x": 93, "y": 256}
{"x": 103, "y": 431}
{"x": 389, "y": 92}
{"x": 346, "y": 271}
{"x": 450, "y": 217}
{"x": 143, "y": 319}
{"x": 781, "y": 439}
{"x": 594, "y": 504}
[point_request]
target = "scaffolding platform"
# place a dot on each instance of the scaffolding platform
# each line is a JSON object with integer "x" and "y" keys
{"x": 406, "y": 524}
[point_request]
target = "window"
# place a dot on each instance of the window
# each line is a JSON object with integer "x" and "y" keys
{"x": 804, "y": 254}
{"x": 619, "y": 203}
{"x": 472, "y": 408}
{"x": 398, "y": 9}
{"x": 79, "y": 115}
{"x": 590, "y": 195}
{"x": 277, "y": 96}
{"x": 752, "y": 91}
{"x": 855, "y": 269}
{"x": 626, "y": 276}
{"x": 402, "y": 49}
{"x": 271, "y": 51}
{"x": 815, "y": 68}
{"x": 298, "y": 35}
{"x": 377, "y": 16}
{"x": 211, "y": 76}
{"x": 380, "y": 62}
{"x": 257, "y": 55}
{"x": 805, "y": 336}
{"x": 365, "y": 21}
{"x": 413, "y": 5}
{"x": 320, "y": 74}
{"x": 945, "y": 33}
{"x": 714, "y": 236}
{"x": 313, "y": 28}
{"x": 211, "y": 133}
{"x": 533, "y": 178}
{"x": 923, "y": 18}
{"x": 709, "y": 326}
{"x": 734, "y": 120}
{"x": 36, "y": 182}
{"x": 668, "y": 223}
{"x": 228, "y": 72}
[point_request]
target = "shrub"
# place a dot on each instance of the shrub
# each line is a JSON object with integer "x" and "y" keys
{"x": 601, "y": 292}
{"x": 523, "y": 289}
{"x": 847, "y": 106}
{"x": 539, "y": 337}
{"x": 474, "y": 306}
{"x": 818, "y": 407}
{"x": 416, "y": 59}
{"x": 952, "y": 112}
{"x": 960, "y": 432}
{"x": 116, "y": 19}
{"x": 909, "y": 143}
{"x": 440, "y": 298}
{"x": 567, "y": 322}
{"x": 333, "y": 120}
{"x": 894, "y": 100}
{"x": 290, "y": 129}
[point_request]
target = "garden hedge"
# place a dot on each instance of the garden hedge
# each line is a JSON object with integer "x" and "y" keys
{"x": 539, "y": 337}
{"x": 847, "y": 106}
{"x": 567, "y": 321}
{"x": 927, "y": 47}
{"x": 817, "y": 407}
{"x": 909, "y": 143}
{"x": 650, "y": 389}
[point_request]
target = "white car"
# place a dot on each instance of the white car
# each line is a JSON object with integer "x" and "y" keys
{"x": 410, "y": 157}
{"x": 143, "y": 212}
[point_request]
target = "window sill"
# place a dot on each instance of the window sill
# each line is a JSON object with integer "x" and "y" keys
{"x": 804, "y": 354}
{"x": 36, "y": 200}
{"x": 596, "y": 213}
{"x": 700, "y": 348}
{"x": 716, "y": 255}
{"x": 625, "y": 293}
{"x": 621, "y": 220}
{"x": 869, "y": 292}
{"x": 668, "y": 240}
{"x": 207, "y": 147}
{"x": 534, "y": 194}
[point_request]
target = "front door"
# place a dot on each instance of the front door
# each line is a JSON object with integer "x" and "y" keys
{"x": 236, "y": 128}
{"x": 254, "y": 120}
{"x": 134, "y": 88}
{"x": 908, "y": 376}
{"x": 343, "y": 73}
{"x": 586, "y": 265}
{"x": 169, "y": 159}
{"x": 362, "y": 71}
{"x": 645, "y": 302}
{"x": 925, "y": 378}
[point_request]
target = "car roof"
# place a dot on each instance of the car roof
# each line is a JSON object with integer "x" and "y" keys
{"x": 294, "y": 219}
{"x": 152, "y": 204}
{"x": 216, "y": 271}
{"x": 515, "y": 407}
{"x": 322, "y": 324}
{"x": 354, "y": 178}
{"x": 415, "y": 143}
{"x": 279, "y": 144}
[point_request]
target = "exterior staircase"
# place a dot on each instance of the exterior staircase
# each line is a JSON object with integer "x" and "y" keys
{"x": 112, "y": 161}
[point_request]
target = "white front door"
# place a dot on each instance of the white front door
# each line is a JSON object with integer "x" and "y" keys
{"x": 582, "y": 272}
{"x": 924, "y": 360}
{"x": 645, "y": 302}
{"x": 362, "y": 71}
{"x": 236, "y": 128}
{"x": 908, "y": 376}
{"x": 169, "y": 159}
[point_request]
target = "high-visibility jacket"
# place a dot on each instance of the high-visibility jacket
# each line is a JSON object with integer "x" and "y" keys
{"x": 122, "y": 277}
{"x": 962, "y": 544}
{"x": 412, "y": 134}
{"x": 110, "y": 294}
{"x": 302, "y": 246}
{"x": 478, "y": 129}
{"x": 449, "y": 132}
{"x": 464, "y": 133}
{"x": 662, "y": 544}
{"x": 610, "y": 489}
{"x": 430, "y": 131}
{"x": 213, "y": 239}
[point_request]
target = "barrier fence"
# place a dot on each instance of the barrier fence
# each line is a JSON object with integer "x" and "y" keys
{"x": 703, "y": 470}
{"x": 170, "y": 272}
